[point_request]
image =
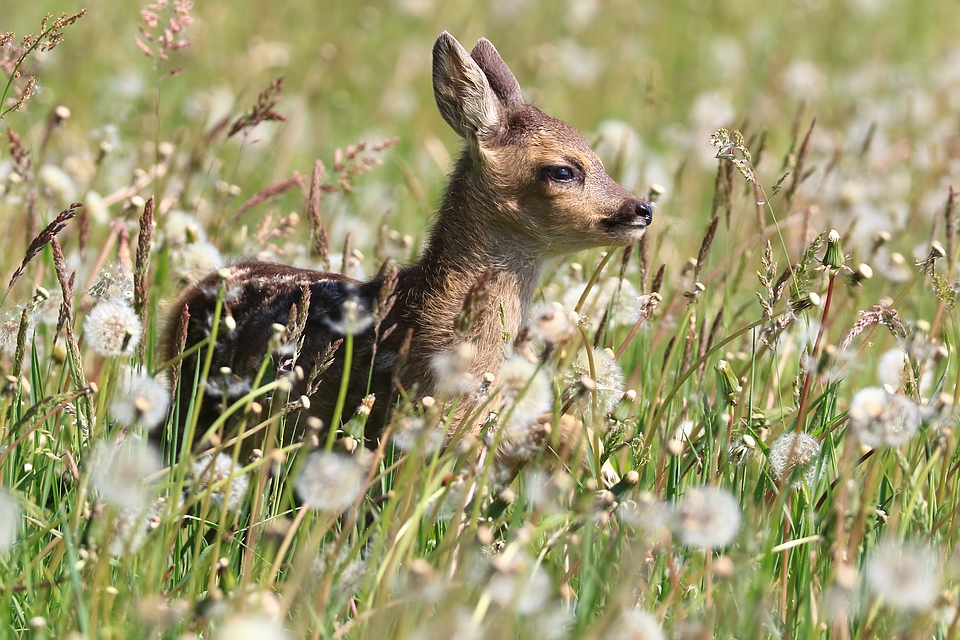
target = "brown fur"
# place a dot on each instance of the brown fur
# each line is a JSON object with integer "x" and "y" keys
{"x": 504, "y": 210}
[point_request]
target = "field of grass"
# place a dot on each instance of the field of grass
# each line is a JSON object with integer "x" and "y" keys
{"x": 771, "y": 448}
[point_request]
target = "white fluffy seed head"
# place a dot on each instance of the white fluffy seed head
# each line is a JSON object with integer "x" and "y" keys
{"x": 140, "y": 401}
{"x": 112, "y": 328}
{"x": 551, "y": 323}
{"x": 795, "y": 454}
{"x": 452, "y": 369}
{"x": 707, "y": 517}
{"x": 120, "y": 469}
{"x": 330, "y": 481}
{"x": 10, "y": 516}
{"x": 222, "y": 478}
{"x": 906, "y": 576}
{"x": 634, "y": 624}
{"x": 882, "y": 419}
{"x": 526, "y": 391}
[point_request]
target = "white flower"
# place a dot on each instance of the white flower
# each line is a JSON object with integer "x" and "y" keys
{"x": 112, "y": 328}
{"x": 330, "y": 481}
{"x": 211, "y": 470}
{"x": 120, "y": 468}
{"x": 707, "y": 517}
{"x": 907, "y": 577}
{"x": 795, "y": 454}
{"x": 526, "y": 391}
{"x": 140, "y": 401}
{"x": 882, "y": 419}
{"x": 10, "y": 517}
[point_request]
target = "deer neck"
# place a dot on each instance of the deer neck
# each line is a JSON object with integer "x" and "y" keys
{"x": 463, "y": 246}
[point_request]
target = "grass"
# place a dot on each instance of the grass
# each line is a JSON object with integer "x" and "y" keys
{"x": 765, "y": 325}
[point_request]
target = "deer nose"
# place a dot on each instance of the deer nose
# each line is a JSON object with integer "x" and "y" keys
{"x": 637, "y": 212}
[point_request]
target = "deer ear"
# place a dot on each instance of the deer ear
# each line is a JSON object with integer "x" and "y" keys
{"x": 464, "y": 95}
{"x": 501, "y": 79}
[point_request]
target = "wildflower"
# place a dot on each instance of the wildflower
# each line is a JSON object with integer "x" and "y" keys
{"x": 794, "y": 454}
{"x": 112, "y": 328}
{"x": 119, "y": 471}
{"x": 518, "y": 583}
{"x": 907, "y": 577}
{"x": 608, "y": 380}
{"x": 212, "y": 470}
{"x": 330, "y": 481}
{"x": 251, "y": 628}
{"x": 114, "y": 282}
{"x": 413, "y": 435}
{"x": 882, "y": 419}
{"x": 634, "y": 624}
{"x": 9, "y": 520}
{"x": 452, "y": 369}
{"x": 140, "y": 401}
{"x": 707, "y": 517}
{"x": 550, "y": 323}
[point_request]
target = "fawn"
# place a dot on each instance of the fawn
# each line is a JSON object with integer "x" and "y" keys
{"x": 526, "y": 188}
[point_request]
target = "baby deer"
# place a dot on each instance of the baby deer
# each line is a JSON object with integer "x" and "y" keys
{"x": 525, "y": 189}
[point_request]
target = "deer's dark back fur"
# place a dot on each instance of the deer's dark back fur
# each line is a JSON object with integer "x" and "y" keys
{"x": 527, "y": 188}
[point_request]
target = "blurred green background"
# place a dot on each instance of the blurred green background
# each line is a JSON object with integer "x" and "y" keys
{"x": 672, "y": 72}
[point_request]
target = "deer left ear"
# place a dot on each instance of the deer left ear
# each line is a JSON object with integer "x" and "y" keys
{"x": 464, "y": 96}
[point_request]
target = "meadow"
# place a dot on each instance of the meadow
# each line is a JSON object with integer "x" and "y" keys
{"x": 768, "y": 381}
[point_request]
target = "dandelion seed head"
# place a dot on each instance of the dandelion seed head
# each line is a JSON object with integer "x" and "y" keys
{"x": 181, "y": 229}
{"x": 10, "y": 516}
{"x": 197, "y": 259}
{"x": 413, "y": 435}
{"x": 120, "y": 468}
{"x": 112, "y": 328}
{"x": 552, "y": 324}
{"x": 906, "y": 576}
{"x": 349, "y": 573}
{"x": 211, "y": 470}
{"x": 453, "y": 369}
{"x": 330, "y": 481}
{"x": 548, "y": 491}
{"x": 518, "y": 583}
{"x": 526, "y": 391}
{"x": 114, "y": 282}
{"x": 57, "y": 183}
{"x": 890, "y": 370}
{"x": 882, "y": 419}
{"x": 634, "y": 624}
{"x": 795, "y": 454}
{"x": 707, "y": 517}
{"x": 9, "y": 329}
{"x": 132, "y": 525}
{"x": 141, "y": 401}
{"x": 608, "y": 381}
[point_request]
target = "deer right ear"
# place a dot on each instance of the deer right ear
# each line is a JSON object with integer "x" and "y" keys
{"x": 464, "y": 96}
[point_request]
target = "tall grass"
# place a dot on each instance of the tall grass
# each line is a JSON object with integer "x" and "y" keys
{"x": 765, "y": 386}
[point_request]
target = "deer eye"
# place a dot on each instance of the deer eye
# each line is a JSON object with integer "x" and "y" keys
{"x": 560, "y": 173}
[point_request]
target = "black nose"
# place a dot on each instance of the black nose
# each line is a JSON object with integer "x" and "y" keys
{"x": 637, "y": 212}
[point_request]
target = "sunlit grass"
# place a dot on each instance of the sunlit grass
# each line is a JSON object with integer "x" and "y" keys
{"x": 767, "y": 383}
